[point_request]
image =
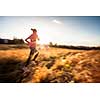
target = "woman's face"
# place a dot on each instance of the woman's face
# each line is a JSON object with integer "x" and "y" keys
{"x": 35, "y": 32}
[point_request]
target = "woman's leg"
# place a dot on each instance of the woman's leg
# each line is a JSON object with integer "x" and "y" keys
{"x": 35, "y": 56}
{"x": 30, "y": 56}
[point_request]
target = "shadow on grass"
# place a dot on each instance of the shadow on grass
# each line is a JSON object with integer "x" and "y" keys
{"x": 10, "y": 70}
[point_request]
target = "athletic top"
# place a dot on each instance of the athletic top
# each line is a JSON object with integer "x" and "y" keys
{"x": 32, "y": 43}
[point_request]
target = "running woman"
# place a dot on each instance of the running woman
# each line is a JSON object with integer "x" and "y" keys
{"x": 31, "y": 40}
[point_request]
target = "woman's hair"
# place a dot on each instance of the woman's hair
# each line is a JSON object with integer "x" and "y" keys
{"x": 34, "y": 30}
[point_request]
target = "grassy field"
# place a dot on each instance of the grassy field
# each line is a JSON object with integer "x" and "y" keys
{"x": 54, "y": 65}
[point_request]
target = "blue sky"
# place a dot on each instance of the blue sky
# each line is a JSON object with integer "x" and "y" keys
{"x": 62, "y": 30}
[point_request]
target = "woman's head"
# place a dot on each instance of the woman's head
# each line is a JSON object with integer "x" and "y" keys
{"x": 34, "y": 30}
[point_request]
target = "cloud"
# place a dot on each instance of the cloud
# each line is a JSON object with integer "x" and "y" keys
{"x": 57, "y": 21}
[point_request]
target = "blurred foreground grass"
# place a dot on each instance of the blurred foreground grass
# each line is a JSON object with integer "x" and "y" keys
{"x": 54, "y": 65}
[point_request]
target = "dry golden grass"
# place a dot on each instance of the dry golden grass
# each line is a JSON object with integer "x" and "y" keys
{"x": 54, "y": 65}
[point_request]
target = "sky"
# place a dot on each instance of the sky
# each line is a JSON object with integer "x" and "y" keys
{"x": 63, "y": 30}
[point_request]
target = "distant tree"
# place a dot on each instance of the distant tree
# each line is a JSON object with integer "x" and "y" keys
{"x": 17, "y": 41}
{"x": 55, "y": 45}
{"x": 50, "y": 44}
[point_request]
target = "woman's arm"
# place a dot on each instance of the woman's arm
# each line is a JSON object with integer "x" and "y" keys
{"x": 28, "y": 39}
